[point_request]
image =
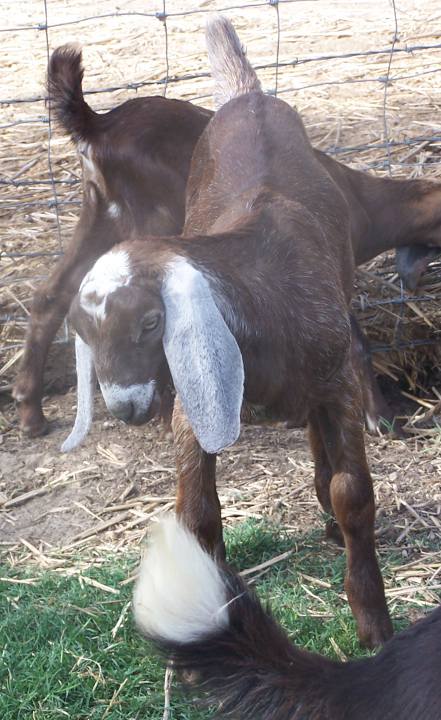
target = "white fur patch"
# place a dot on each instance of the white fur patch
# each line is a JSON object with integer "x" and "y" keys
{"x": 141, "y": 395}
{"x": 114, "y": 210}
{"x": 180, "y": 594}
{"x": 110, "y": 272}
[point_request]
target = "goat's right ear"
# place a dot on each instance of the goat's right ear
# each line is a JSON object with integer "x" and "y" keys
{"x": 203, "y": 356}
{"x": 86, "y": 382}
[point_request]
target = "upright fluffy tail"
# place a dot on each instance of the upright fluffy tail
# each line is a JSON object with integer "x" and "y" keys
{"x": 214, "y": 627}
{"x": 230, "y": 68}
{"x": 65, "y": 91}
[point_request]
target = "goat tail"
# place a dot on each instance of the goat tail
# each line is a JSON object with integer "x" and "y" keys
{"x": 204, "y": 617}
{"x": 230, "y": 69}
{"x": 65, "y": 93}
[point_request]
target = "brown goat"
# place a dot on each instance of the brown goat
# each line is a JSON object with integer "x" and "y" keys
{"x": 214, "y": 628}
{"x": 251, "y": 302}
{"x": 135, "y": 161}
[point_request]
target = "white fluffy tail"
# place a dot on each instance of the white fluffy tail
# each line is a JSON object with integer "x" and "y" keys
{"x": 230, "y": 68}
{"x": 180, "y": 594}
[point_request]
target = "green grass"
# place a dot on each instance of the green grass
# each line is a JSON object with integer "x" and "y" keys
{"x": 58, "y": 658}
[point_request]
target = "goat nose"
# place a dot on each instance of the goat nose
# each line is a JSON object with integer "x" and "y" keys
{"x": 123, "y": 411}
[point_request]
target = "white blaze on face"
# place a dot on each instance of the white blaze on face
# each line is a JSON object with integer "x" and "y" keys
{"x": 110, "y": 272}
{"x": 140, "y": 395}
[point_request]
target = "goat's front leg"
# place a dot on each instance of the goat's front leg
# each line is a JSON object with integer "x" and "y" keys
{"x": 197, "y": 501}
{"x": 352, "y": 499}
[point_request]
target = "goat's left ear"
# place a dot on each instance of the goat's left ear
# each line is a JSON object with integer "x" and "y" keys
{"x": 203, "y": 357}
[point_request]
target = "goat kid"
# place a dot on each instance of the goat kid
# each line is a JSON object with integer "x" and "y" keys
{"x": 251, "y": 302}
{"x": 136, "y": 160}
{"x": 212, "y": 626}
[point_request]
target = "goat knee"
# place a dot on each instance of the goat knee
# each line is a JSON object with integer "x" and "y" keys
{"x": 352, "y": 499}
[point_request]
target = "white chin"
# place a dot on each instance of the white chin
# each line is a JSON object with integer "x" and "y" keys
{"x": 140, "y": 395}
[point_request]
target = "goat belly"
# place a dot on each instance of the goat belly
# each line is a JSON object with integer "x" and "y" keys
{"x": 296, "y": 416}
{"x": 271, "y": 400}
{"x": 293, "y": 406}
{"x": 253, "y": 414}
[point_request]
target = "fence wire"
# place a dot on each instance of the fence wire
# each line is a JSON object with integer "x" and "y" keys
{"x": 18, "y": 203}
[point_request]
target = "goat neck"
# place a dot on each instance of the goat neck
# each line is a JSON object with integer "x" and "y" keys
{"x": 387, "y": 213}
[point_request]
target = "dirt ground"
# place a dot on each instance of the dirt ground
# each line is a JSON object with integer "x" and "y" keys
{"x": 104, "y": 494}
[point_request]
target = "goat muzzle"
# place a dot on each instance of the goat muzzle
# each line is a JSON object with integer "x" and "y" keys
{"x": 134, "y": 405}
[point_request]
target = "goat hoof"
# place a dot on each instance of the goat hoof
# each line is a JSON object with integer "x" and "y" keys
{"x": 33, "y": 425}
{"x": 334, "y": 533}
{"x": 398, "y": 432}
{"x": 375, "y": 634}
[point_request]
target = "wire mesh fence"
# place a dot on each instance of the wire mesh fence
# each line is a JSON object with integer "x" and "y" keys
{"x": 365, "y": 77}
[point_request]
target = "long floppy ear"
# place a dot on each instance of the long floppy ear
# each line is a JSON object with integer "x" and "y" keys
{"x": 203, "y": 357}
{"x": 85, "y": 391}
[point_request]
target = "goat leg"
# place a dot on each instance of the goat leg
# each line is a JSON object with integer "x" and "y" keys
{"x": 197, "y": 502}
{"x": 352, "y": 499}
{"x": 322, "y": 478}
{"x": 379, "y": 417}
{"x": 50, "y": 305}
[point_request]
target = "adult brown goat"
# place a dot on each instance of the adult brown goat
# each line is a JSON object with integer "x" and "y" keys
{"x": 204, "y": 617}
{"x": 136, "y": 160}
{"x": 251, "y": 302}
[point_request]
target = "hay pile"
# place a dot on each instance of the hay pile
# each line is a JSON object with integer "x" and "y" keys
{"x": 342, "y": 100}
{"x": 404, "y": 330}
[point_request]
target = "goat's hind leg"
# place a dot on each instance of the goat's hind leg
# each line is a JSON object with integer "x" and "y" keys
{"x": 352, "y": 499}
{"x": 379, "y": 417}
{"x": 323, "y": 477}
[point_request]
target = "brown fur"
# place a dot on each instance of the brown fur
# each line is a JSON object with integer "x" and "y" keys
{"x": 137, "y": 156}
{"x": 251, "y": 670}
{"x": 197, "y": 502}
{"x": 270, "y": 230}
{"x": 141, "y": 153}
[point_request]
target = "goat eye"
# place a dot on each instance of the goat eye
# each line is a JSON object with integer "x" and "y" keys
{"x": 149, "y": 322}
